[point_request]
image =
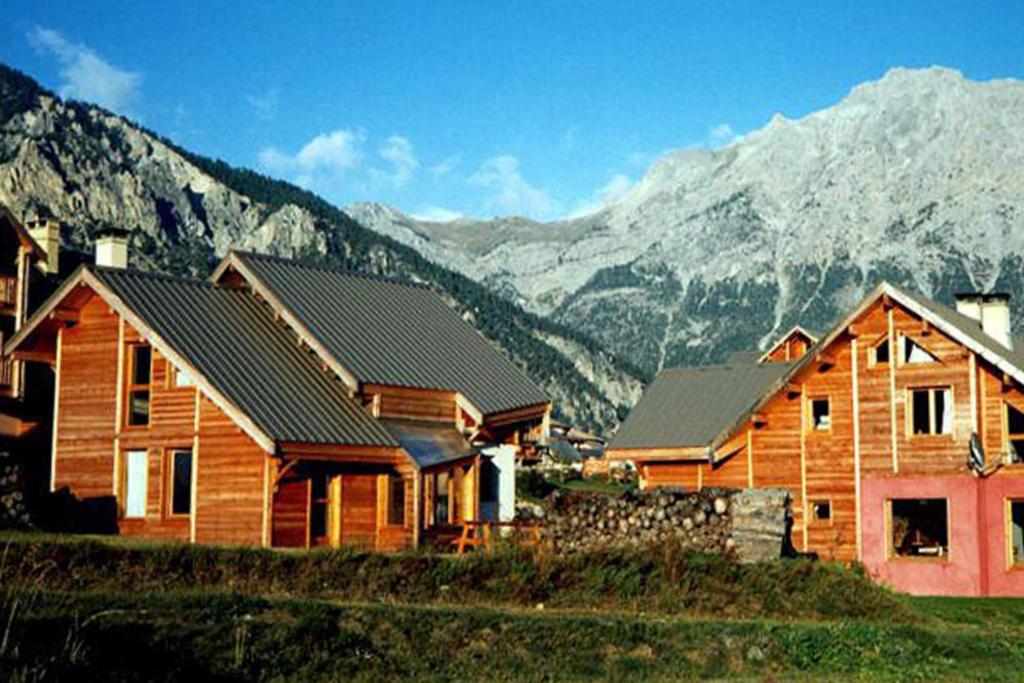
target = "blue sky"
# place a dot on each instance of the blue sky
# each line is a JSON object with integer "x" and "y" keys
{"x": 483, "y": 108}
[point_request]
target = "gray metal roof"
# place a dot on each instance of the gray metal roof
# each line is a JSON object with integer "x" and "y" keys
{"x": 389, "y": 332}
{"x": 686, "y": 407}
{"x": 429, "y": 443}
{"x": 233, "y": 341}
{"x": 740, "y": 357}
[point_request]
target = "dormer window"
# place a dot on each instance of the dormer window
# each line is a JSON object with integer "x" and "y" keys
{"x": 139, "y": 375}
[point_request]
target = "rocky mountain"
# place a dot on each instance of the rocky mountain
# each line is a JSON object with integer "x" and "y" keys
{"x": 917, "y": 178}
{"x": 94, "y": 169}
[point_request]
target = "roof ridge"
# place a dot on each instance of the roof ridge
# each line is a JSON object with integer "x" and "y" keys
{"x": 346, "y": 272}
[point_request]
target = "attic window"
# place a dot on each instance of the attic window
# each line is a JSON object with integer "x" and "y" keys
{"x": 881, "y": 352}
{"x": 821, "y": 414}
{"x": 913, "y": 353}
{"x": 919, "y": 528}
{"x": 1015, "y": 432}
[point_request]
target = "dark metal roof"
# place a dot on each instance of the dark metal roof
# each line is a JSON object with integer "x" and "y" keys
{"x": 395, "y": 333}
{"x": 686, "y": 407}
{"x": 234, "y": 342}
{"x": 429, "y": 443}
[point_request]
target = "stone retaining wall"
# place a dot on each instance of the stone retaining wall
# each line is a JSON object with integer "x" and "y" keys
{"x": 752, "y": 524}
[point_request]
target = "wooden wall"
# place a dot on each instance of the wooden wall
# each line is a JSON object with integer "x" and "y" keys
{"x": 410, "y": 403}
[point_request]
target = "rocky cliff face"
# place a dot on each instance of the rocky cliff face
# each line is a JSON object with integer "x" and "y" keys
{"x": 93, "y": 169}
{"x": 917, "y": 178}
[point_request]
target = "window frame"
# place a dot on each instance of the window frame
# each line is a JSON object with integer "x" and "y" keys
{"x": 814, "y": 428}
{"x": 1012, "y": 564}
{"x": 1011, "y": 437}
{"x": 932, "y": 390}
{"x": 813, "y": 503}
{"x": 168, "y": 476}
{"x": 392, "y": 480}
{"x": 901, "y": 350}
{"x": 125, "y": 479}
{"x": 132, "y": 388}
{"x": 890, "y": 547}
{"x": 873, "y": 361}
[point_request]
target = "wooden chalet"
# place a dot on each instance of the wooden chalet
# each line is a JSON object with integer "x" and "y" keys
{"x": 900, "y": 435}
{"x": 278, "y": 404}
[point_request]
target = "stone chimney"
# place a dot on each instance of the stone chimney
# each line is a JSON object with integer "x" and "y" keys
{"x": 46, "y": 233}
{"x": 992, "y": 311}
{"x": 112, "y": 248}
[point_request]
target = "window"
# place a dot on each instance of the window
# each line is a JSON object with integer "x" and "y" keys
{"x": 441, "y": 498}
{"x": 919, "y": 527}
{"x": 396, "y": 500}
{"x": 931, "y": 411}
{"x": 913, "y": 353}
{"x": 881, "y": 352}
{"x": 318, "y": 506}
{"x": 1015, "y": 432}
{"x": 180, "y": 482}
{"x": 1015, "y": 518}
{"x": 821, "y": 414}
{"x": 821, "y": 510}
{"x": 138, "y": 389}
{"x": 135, "y": 483}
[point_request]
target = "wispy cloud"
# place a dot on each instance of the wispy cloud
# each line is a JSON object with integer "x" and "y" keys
{"x": 617, "y": 186}
{"x": 326, "y": 158}
{"x": 398, "y": 153}
{"x": 265, "y": 105}
{"x": 437, "y": 214}
{"x": 85, "y": 75}
{"x": 446, "y": 166}
{"x": 512, "y": 193}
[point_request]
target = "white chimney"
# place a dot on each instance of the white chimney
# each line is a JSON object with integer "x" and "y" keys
{"x": 46, "y": 233}
{"x": 969, "y": 304}
{"x": 112, "y": 250}
{"x": 992, "y": 311}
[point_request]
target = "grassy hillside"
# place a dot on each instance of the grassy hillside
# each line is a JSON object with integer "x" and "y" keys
{"x": 70, "y": 608}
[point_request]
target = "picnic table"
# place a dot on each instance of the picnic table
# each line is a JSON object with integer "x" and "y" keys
{"x": 477, "y": 533}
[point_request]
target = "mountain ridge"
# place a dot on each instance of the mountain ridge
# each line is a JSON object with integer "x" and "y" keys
{"x": 916, "y": 177}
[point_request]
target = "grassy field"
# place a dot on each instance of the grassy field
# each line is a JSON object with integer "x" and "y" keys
{"x": 72, "y": 607}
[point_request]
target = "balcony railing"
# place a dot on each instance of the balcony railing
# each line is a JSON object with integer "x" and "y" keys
{"x": 8, "y": 290}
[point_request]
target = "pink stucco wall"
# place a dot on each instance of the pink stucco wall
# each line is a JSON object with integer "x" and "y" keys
{"x": 977, "y": 562}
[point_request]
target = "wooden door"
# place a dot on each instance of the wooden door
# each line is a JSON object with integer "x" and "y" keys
{"x": 358, "y": 522}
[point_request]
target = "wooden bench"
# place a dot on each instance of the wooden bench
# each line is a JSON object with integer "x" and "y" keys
{"x": 476, "y": 533}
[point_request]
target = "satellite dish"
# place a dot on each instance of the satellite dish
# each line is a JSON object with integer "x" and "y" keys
{"x": 976, "y": 454}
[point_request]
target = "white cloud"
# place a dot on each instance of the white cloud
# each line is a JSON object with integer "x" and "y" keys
{"x": 397, "y": 151}
{"x": 722, "y": 134}
{"x": 86, "y": 76}
{"x": 513, "y": 194}
{"x": 617, "y": 186}
{"x": 328, "y": 153}
{"x": 437, "y": 214}
{"x": 447, "y": 165}
{"x": 265, "y": 105}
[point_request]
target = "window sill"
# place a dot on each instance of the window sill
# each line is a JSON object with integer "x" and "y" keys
{"x": 918, "y": 559}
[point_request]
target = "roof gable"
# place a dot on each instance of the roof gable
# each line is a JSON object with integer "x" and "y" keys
{"x": 380, "y": 331}
{"x": 241, "y": 357}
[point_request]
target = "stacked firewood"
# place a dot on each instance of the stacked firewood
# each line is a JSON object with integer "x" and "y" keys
{"x": 579, "y": 521}
{"x": 13, "y": 506}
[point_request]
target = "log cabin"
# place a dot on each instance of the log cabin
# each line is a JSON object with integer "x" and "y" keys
{"x": 277, "y": 405}
{"x": 899, "y": 434}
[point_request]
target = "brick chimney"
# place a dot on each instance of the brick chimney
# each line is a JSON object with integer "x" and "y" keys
{"x": 46, "y": 232}
{"x": 992, "y": 311}
{"x": 112, "y": 248}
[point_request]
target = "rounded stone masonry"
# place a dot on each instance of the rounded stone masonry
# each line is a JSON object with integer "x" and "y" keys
{"x": 751, "y": 524}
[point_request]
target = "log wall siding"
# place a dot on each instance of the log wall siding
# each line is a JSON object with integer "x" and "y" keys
{"x": 87, "y": 403}
{"x": 882, "y": 393}
{"x": 231, "y": 479}
{"x": 414, "y": 404}
{"x": 291, "y": 514}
